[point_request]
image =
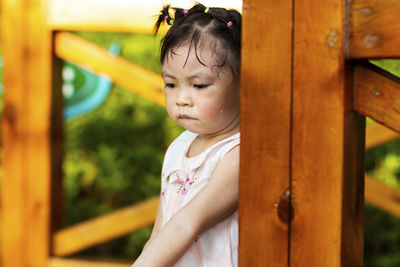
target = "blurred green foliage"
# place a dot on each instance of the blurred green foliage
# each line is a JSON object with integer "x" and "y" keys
{"x": 114, "y": 153}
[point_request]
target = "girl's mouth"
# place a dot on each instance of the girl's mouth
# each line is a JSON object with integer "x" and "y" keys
{"x": 184, "y": 116}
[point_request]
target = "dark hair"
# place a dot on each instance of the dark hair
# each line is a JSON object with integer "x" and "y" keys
{"x": 196, "y": 25}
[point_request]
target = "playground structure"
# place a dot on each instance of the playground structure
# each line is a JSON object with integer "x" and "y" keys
{"x": 302, "y": 176}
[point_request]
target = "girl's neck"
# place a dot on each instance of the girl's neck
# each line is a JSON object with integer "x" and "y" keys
{"x": 204, "y": 141}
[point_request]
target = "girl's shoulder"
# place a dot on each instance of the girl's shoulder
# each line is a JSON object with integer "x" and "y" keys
{"x": 177, "y": 150}
{"x": 182, "y": 142}
{"x": 185, "y": 137}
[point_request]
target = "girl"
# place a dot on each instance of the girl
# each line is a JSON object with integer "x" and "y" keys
{"x": 197, "y": 218}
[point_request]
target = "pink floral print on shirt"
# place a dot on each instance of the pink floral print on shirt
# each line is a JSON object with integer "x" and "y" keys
{"x": 182, "y": 177}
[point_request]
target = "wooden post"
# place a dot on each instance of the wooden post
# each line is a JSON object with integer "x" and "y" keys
{"x": 29, "y": 130}
{"x": 265, "y": 128}
{"x": 327, "y": 142}
{"x": 299, "y": 132}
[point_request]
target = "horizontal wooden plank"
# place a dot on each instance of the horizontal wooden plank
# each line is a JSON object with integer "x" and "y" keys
{"x": 114, "y": 16}
{"x": 374, "y": 29}
{"x": 111, "y": 15}
{"x": 98, "y": 230}
{"x": 376, "y": 94}
{"x": 122, "y": 72}
{"x": 382, "y": 196}
{"x": 59, "y": 262}
{"x": 377, "y": 134}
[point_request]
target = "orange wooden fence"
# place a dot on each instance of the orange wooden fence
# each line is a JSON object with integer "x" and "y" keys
{"x": 302, "y": 175}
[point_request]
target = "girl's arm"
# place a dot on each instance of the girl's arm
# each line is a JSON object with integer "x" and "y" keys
{"x": 214, "y": 202}
{"x": 157, "y": 223}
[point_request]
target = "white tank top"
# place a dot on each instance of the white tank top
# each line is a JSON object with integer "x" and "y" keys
{"x": 182, "y": 178}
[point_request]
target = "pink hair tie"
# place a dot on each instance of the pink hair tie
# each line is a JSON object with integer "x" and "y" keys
{"x": 229, "y": 24}
{"x": 185, "y": 11}
{"x": 166, "y": 17}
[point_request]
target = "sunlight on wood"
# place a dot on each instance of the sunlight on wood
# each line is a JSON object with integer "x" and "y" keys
{"x": 59, "y": 262}
{"x": 104, "y": 228}
{"x": 377, "y": 134}
{"x": 115, "y": 15}
{"x": 121, "y": 71}
{"x": 382, "y": 196}
{"x": 376, "y": 94}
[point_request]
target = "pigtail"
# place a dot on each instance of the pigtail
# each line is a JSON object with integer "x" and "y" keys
{"x": 198, "y": 8}
{"x": 235, "y": 17}
{"x": 180, "y": 13}
{"x": 235, "y": 20}
{"x": 164, "y": 16}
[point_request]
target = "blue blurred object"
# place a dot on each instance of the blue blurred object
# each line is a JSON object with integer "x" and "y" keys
{"x": 91, "y": 94}
{"x": 87, "y": 96}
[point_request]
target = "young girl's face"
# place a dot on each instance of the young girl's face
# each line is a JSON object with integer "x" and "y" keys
{"x": 200, "y": 98}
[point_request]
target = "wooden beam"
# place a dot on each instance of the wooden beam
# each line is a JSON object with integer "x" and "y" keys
{"x": 29, "y": 131}
{"x": 382, "y": 196}
{"x": 59, "y": 262}
{"x": 327, "y": 143}
{"x": 102, "y": 16}
{"x": 122, "y": 72}
{"x": 374, "y": 29}
{"x": 265, "y": 129}
{"x": 376, "y": 94}
{"x": 104, "y": 228}
{"x": 110, "y": 15}
{"x": 377, "y": 134}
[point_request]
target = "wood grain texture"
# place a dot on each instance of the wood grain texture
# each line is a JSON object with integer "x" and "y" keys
{"x": 104, "y": 228}
{"x": 265, "y": 131}
{"x": 382, "y": 196}
{"x": 122, "y": 72}
{"x": 377, "y": 134}
{"x": 328, "y": 143}
{"x": 376, "y": 94}
{"x": 27, "y": 129}
{"x": 59, "y": 262}
{"x": 374, "y": 29}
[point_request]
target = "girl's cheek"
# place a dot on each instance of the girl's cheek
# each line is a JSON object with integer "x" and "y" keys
{"x": 169, "y": 106}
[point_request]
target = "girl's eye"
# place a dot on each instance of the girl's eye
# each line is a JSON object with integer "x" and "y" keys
{"x": 169, "y": 85}
{"x": 201, "y": 86}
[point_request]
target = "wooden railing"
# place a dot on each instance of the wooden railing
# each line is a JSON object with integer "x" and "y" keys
{"x": 122, "y": 72}
{"x": 99, "y": 230}
{"x": 376, "y": 192}
{"x": 34, "y": 141}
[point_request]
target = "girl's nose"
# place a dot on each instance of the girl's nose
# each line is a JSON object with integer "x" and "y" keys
{"x": 184, "y": 98}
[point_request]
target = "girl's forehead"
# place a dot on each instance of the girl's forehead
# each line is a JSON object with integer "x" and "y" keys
{"x": 186, "y": 59}
{"x": 201, "y": 54}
